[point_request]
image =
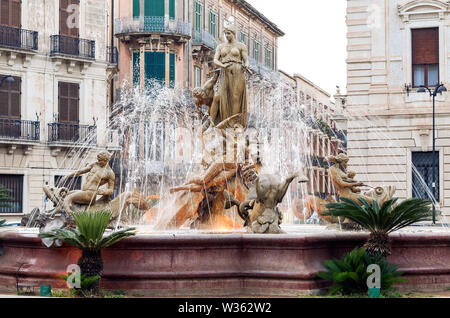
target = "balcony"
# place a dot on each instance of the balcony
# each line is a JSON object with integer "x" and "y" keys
{"x": 77, "y": 47}
{"x": 15, "y": 41}
{"x": 18, "y": 38}
{"x": 16, "y": 129}
{"x": 64, "y": 134}
{"x": 148, "y": 25}
{"x": 112, "y": 55}
{"x": 22, "y": 133}
{"x": 205, "y": 39}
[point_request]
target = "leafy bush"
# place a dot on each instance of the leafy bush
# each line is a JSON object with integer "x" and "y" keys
{"x": 381, "y": 221}
{"x": 85, "y": 281}
{"x": 89, "y": 237}
{"x": 348, "y": 275}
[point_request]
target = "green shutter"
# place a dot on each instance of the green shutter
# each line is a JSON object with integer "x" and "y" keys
{"x": 136, "y": 68}
{"x": 212, "y": 23}
{"x": 155, "y": 66}
{"x": 154, "y": 8}
{"x": 172, "y": 9}
{"x": 136, "y": 8}
{"x": 256, "y": 51}
{"x": 198, "y": 16}
{"x": 242, "y": 37}
{"x": 172, "y": 70}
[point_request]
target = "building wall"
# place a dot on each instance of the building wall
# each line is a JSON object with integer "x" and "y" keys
{"x": 389, "y": 119}
{"x": 317, "y": 105}
{"x": 40, "y": 161}
{"x": 190, "y": 53}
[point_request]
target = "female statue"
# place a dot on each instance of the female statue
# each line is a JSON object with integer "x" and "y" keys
{"x": 232, "y": 59}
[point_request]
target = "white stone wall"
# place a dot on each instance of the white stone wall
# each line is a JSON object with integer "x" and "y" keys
{"x": 40, "y": 73}
{"x": 386, "y": 123}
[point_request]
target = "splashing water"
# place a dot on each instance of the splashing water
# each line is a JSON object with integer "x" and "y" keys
{"x": 159, "y": 130}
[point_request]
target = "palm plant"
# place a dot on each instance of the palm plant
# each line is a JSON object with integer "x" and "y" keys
{"x": 381, "y": 221}
{"x": 89, "y": 238}
{"x": 348, "y": 275}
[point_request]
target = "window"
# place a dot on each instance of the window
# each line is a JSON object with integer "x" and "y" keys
{"x": 136, "y": 8}
{"x": 14, "y": 183}
{"x": 65, "y": 16}
{"x": 68, "y": 107}
{"x": 212, "y": 23}
{"x": 171, "y": 70}
{"x": 10, "y": 94}
{"x": 155, "y": 66}
{"x": 172, "y": 9}
{"x": 11, "y": 13}
{"x": 256, "y": 50}
{"x": 198, "y": 16}
{"x": 243, "y": 37}
{"x": 425, "y": 56}
{"x": 422, "y": 175}
{"x": 154, "y": 8}
{"x": 136, "y": 68}
{"x": 268, "y": 58}
{"x": 71, "y": 184}
{"x": 197, "y": 76}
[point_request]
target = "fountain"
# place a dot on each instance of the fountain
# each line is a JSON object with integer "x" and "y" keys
{"x": 217, "y": 228}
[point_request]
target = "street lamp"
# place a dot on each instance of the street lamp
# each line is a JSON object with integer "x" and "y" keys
{"x": 433, "y": 93}
{"x": 7, "y": 79}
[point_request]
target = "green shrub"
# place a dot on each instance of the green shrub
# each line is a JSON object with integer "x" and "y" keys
{"x": 348, "y": 275}
{"x": 382, "y": 220}
{"x": 86, "y": 283}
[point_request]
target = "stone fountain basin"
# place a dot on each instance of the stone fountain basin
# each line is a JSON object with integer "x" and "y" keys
{"x": 211, "y": 264}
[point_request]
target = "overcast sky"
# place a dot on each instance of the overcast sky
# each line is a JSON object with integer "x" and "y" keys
{"x": 315, "y": 40}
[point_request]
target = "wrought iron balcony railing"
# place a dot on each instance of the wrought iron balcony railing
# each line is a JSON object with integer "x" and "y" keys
{"x": 112, "y": 55}
{"x": 67, "y": 45}
{"x": 72, "y": 133}
{"x": 204, "y": 38}
{"x": 149, "y": 24}
{"x": 18, "y": 38}
{"x": 17, "y": 129}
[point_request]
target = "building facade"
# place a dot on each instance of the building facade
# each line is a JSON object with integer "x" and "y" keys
{"x": 322, "y": 138}
{"x": 55, "y": 64}
{"x": 394, "y": 48}
{"x": 173, "y": 41}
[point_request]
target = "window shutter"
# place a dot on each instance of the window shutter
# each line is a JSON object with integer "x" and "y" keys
{"x": 16, "y": 13}
{"x": 159, "y": 12}
{"x": 10, "y": 100}
{"x": 154, "y": 8}
{"x": 425, "y": 46}
{"x": 4, "y": 15}
{"x": 172, "y": 70}
{"x": 136, "y": 68}
{"x": 198, "y": 19}
{"x": 172, "y": 9}
{"x": 63, "y": 16}
{"x": 15, "y": 92}
{"x": 4, "y": 102}
{"x": 155, "y": 66}
{"x": 74, "y": 101}
{"x": 63, "y": 101}
{"x": 136, "y": 8}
